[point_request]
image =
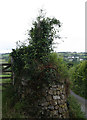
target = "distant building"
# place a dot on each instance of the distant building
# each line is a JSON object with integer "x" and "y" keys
{"x": 81, "y": 59}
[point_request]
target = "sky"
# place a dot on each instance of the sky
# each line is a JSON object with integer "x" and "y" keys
{"x": 16, "y": 18}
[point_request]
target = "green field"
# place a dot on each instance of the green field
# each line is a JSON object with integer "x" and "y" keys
{"x": 5, "y": 80}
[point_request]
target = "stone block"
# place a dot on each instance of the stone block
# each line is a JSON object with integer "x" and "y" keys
{"x": 54, "y": 86}
{"x": 55, "y": 112}
{"x": 56, "y": 107}
{"x": 51, "y": 107}
{"x": 55, "y": 102}
{"x": 59, "y": 88}
{"x": 59, "y": 102}
{"x": 58, "y": 92}
{"x": 49, "y": 97}
{"x": 56, "y": 97}
{"x": 50, "y": 92}
{"x": 45, "y": 104}
{"x": 62, "y": 96}
{"x": 62, "y": 86}
{"x": 60, "y": 110}
{"x": 54, "y": 92}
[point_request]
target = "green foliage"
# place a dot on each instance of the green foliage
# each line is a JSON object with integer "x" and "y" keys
{"x": 9, "y": 99}
{"x": 75, "y": 109}
{"x": 79, "y": 78}
{"x": 42, "y": 34}
{"x": 35, "y": 65}
{"x": 31, "y": 60}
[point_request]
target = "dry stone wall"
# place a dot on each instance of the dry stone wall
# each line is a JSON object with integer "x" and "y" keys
{"x": 54, "y": 104}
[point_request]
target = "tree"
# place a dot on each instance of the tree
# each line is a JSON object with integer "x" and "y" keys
{"x": 42, "y": 34}
{"x": 79, "y": 78}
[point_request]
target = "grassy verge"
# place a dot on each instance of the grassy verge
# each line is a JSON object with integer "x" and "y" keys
{"x": 5, "y": 80}
{"x": 75, "y": 109}
{"x": 12, "y": 107}
{"x": 10, "y": 102}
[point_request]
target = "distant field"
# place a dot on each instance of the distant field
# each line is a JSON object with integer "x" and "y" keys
{"x": 5, "y": 80}
{"x": 5, "y": 75}
{"x": 2, "y": 60}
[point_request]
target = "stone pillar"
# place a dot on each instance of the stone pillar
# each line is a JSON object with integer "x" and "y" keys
{"x": 54, "y": 103}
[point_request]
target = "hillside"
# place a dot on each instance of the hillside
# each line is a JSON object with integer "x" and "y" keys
{"x": 4, "y": 58}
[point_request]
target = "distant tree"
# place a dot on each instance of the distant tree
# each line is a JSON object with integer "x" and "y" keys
{"x": 79, "y": 78}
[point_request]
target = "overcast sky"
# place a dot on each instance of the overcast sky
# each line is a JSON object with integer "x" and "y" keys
{"x": 16, "y": 17}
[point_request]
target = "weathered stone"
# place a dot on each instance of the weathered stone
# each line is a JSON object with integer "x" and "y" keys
{"x": 50, "y": 92}
{"x": 58, "y": 92}
{"x": 59, "y": 102}
{"x": 53, "y": 89}
{"x": 60, "y": 110}
{"x": 65, "y": 108}
{"x": 55, "y": 112}
{"x": 62, "y": 86}
{"x": 45, "y": 108}
{"x": 63, "y": 92}
{"x": 55, "y": 102}
{"x": 51, "y": 102}
{"x": 45, "y": 104}
{"x": 56, "y": 97}
{"x": 60, "y": 116}
{"x": 54, "y": 92}
{"x": 62, "y": 96}
{"x": 51, "y": 107}
{"x": 56, "y": 107}
{"x": 51, "y": 114}
{"x": 54, "y": 86}
{"x": 49, "y": 98}
{"x": 46, "y": 91}
{"x": 59, "y": 88}
{"x": 62, "y": 106}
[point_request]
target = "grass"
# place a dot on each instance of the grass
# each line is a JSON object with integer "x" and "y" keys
{"x": 0, "y": 87}
{"x": 10, "y": 100}
{"x": 75, "y": 109}
{"x": 5, "y": 80}
{"x": 5, "y": 75}
{"x": 0, "y": 105}
{"x": 12, "y": 107}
